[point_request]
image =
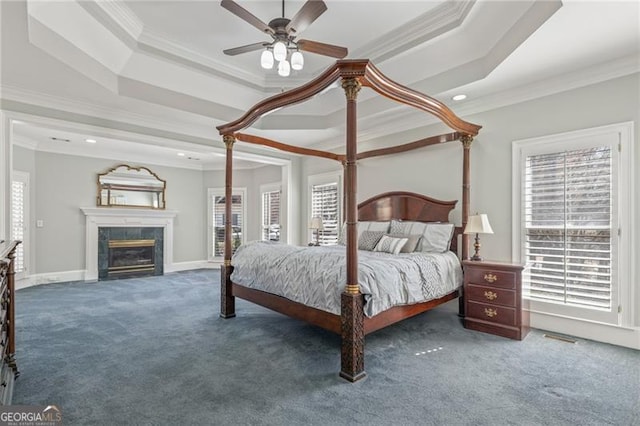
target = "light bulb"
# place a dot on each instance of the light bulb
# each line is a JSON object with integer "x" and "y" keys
{"x": 266, "y": 60}
{"x": 284, "y": 69}
{"x": 279, "y": 51}
{"x": 297, "y": 61}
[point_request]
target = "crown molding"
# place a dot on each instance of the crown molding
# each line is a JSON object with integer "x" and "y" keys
{"x": 121, "y": 14}
{"x": 600, "y": 73}
{"x": 427, "y": 26}
{"x": 398, "y": 120}
{"x": 75, "y": 106}
{"x": 155, "y": 43}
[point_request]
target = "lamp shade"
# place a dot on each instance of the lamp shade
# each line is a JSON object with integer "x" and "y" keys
{"x": 297, "y": 61}
{"x": 316, "y": 223}
{"x": 478, "y": 224}
{"x": 284, "y": 69}
{"x": 279, "y": 51}
{"x": 266, "y": 60}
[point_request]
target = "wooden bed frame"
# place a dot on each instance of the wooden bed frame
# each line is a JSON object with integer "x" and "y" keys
{"x": 351, "y": 324}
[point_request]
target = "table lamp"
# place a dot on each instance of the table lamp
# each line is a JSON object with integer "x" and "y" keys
{"x": 478, "y": 224}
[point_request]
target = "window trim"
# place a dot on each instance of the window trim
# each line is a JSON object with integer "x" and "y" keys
{"x": 625, "y": 204}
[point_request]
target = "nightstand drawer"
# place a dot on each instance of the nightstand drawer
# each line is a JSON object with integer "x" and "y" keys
{"x": 496, "y": 296}
{"x": 491, "y": 313}
{"x": 494, "y": 278}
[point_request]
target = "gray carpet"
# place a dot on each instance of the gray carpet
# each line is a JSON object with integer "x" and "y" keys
{"x": 154, "y": 351}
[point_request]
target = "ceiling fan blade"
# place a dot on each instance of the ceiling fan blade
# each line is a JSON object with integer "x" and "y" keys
{"x": 322, "y": 48}
{"x": 244, "y": 49}
{"x": 244, "y": 14}
{"x": 309, "y": 12}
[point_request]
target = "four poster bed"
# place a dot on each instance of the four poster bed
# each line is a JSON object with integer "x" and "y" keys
{"x": 349, "y": 319}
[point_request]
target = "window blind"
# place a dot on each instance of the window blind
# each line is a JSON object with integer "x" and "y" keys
{"x": 18, "y": 222}
{"x": 568, "y": 226}
{"x": 324, "y": 204}
{"x": 271, "y": 216}
{"x": 218, "y": 220}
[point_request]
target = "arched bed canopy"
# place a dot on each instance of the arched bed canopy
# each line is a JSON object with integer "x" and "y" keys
{"x": 353, "y": 74}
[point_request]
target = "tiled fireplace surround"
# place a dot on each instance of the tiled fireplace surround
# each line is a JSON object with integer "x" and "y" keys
{"x": 108, "y": 217}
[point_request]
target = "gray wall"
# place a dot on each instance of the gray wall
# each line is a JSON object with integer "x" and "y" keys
{"x": 436, "y": 170}
{"x": 61, "y": 184}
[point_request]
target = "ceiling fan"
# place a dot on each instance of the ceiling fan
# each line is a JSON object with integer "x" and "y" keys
{"x": 284, "y": 31}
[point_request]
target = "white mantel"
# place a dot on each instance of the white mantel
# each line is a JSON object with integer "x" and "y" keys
{"x": 98, "y": 217}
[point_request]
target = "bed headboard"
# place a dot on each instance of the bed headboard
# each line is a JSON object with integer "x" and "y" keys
{"x": 403, "y": 205}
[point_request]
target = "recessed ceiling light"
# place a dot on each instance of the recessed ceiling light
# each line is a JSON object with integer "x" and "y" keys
{"x": 90, "y": 140}
{"x": 459, "y": 97}
{"x": 181, "y": 154}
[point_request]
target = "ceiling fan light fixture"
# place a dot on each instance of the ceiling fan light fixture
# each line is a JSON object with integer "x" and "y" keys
{"x": 297, "y": 60}
{"x": 279, "y": 51}
{"x": 266, "y": 60}
{"x": 284, "y": 69}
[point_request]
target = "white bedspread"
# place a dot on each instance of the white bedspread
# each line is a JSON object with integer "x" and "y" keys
{"x": 316, "y": 276}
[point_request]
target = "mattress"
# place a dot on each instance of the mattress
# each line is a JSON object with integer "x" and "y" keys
{"x": 316, "y": 276}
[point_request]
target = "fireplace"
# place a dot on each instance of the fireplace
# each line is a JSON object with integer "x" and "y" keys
{"x": 128, "y": 257}
{"x": 125, "y": 252}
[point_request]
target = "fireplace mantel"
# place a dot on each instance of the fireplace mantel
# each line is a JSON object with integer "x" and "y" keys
{"x": 97, "y": 217}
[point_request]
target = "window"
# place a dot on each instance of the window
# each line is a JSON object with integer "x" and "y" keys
{"x": 19, "y": 209}
{"x": 271, "y": 215}
{"x": 217, "y": 219}
{"x": 569, "y": 219}
{"x": 324, "y": 204}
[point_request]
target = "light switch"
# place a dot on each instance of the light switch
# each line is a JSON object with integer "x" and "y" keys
{"x": 39, "y": 223}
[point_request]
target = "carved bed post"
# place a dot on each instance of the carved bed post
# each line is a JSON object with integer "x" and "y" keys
{"x": 227, "y": 301}
{"x": 466, "y": 188}
{"x": 466, "y": 200}
{"x": 352, "y": 314}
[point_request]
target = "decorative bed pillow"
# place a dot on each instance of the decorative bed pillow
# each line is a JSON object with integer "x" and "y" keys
{"x": 368, "y": 240}
{"x": 363, "y": 226}
{"x": 412, "y": 242}
{"x": 391, "y": 245}
{"x": 435, "y": 237}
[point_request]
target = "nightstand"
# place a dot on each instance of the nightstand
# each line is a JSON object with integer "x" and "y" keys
{"x": 493, "y": 298}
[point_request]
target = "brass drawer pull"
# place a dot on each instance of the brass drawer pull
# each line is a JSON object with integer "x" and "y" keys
{"x": 490, "y": 278}
{"x": 490, "y": 295}
{"x": 490, "y": 312}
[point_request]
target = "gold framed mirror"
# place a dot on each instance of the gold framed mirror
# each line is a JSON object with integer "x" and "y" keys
{"x": 127, "y": 186}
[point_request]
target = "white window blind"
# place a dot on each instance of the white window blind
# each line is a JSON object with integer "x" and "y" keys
{"x": 324, "y": 204}
{"x": 18, "y": 221}
{"x": 271, "y": 216}
{"x": 569, "y": 233}
{"x": 237, "y": 223}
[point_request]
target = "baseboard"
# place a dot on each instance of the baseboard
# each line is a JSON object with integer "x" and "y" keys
{"x": 628, "y": 337}
{"x": 82, "y": 275}
{"x": 50, "y": 277}
{"x": 187, "y": 266}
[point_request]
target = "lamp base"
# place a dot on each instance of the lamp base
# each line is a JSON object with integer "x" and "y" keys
{"x": 476, "y": 256}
